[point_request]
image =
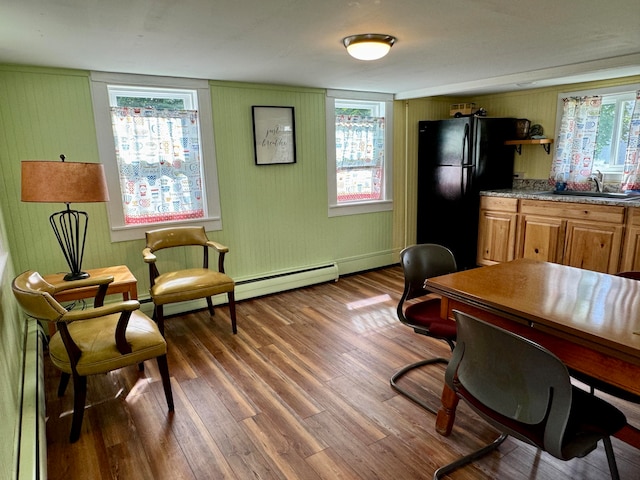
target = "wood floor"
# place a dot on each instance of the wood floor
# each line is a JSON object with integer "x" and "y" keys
{"x": 301, "y": 392}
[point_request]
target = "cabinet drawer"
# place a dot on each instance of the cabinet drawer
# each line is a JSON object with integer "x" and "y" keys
{"x": 594, "y": 213}
{"x": 501, "y": 204}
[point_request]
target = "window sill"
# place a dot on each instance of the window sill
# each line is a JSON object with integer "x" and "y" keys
{"x": 137, "y": 232}
{"x": 360, "y": 208}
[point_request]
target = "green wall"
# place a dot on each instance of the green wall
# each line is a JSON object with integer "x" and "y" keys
{"x": 274, "y": 217}
{"x": 12, "y": 331}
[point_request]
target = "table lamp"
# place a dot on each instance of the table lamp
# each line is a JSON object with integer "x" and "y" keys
{"x": 66, "y": 182}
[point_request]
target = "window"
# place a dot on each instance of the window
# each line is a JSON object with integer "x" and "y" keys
{"x": 614, "y": 121}
{"x": 613, "y": 132}
{"x": 359, "y": 144}
{"x": 160, "y": 166}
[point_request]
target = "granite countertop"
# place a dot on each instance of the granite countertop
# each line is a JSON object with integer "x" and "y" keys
{"x": 548, "y": 195}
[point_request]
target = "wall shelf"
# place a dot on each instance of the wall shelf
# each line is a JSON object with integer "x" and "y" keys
{"x": 545, "y": 142}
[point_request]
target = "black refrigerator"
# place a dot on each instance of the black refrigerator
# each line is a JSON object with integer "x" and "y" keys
{"x": 458, "y": 158}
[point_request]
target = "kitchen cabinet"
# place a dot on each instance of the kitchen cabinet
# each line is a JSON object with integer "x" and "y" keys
{"x": 581, "y": 235}
{"x": 497, "y": 230}
{"x": 631, "y": 253}
{"x": 593, "y": 246}
{"x": 541, "y": 238}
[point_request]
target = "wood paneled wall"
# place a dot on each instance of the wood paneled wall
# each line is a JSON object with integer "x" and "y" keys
{"x": 274, "y": 217}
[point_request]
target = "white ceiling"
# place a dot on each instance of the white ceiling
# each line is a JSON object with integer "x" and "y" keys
{"x": 443, "y": 47}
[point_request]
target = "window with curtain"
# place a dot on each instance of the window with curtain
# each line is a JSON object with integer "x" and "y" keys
{"x": 598, "y": 131}
{"x": 359, "y": 141}
{"x": 158, "y": 156}
{"x": 155, "y": 137}
{"x": 359, "y": 156}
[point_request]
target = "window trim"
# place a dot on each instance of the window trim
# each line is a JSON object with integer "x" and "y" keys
{"x": 612, "y": 174}
{"x": 363, "y": 206}
{"x": 106, "y": 148}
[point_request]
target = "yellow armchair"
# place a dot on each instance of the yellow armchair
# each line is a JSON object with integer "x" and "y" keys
{"x": 188, "y": 283}
{"x": 94, "y": 340}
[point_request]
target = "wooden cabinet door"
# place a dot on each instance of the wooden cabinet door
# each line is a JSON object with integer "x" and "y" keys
{"x": 593, "y": 246}
{"x": 541, "y": 238}
{"x": 496, "y": 237}
{"x": 631, "y": 254}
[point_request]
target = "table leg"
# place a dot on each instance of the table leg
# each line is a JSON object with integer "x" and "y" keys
{"x": 447, "y": 414}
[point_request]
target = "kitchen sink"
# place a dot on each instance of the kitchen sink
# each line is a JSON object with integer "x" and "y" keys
{"x": 580, "y": 193}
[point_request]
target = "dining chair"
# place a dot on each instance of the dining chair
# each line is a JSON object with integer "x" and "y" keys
{"x": 525, "y": 391}
{"x": 187, "y": 282}
{"x": 93, "y": 340}
{"x": 420, "y": 262}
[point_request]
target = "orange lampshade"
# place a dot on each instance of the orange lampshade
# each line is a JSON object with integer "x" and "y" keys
{"x": 63, "y": 182}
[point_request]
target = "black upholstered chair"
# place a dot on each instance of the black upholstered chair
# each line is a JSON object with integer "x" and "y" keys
{"x": 420, "y": 262}
{"x": 525, "y": 391}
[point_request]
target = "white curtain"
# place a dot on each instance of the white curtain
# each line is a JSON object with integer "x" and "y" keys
{"x": 631, "y": 172}
{"x": 158, "y": 159}
{"x": 576, "y": 143}
{"x": 359, "y": 157}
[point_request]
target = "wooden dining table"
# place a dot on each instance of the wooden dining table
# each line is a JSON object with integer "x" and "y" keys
{"x": 590, "y": 320}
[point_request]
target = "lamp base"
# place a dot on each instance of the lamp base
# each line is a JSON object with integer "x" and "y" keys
{"x": 76, "y": 276}
{"x": 70, "y": 228}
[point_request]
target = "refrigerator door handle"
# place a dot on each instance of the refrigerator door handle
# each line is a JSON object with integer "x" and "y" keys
{"x": 466, "y": 180}
{"x": 465, "y": 146}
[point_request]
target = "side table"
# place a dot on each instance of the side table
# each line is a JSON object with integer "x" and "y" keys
{"x": 123, "y": 282}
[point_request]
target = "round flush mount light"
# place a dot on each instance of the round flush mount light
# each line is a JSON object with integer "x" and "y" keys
{"x": 368, "y": 46}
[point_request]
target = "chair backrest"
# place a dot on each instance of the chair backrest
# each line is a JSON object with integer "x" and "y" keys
{"x": 518, "y": 386}
{"x": 35, "y": 296}
{"x": 423, "y": 261}
{"x": 175, "y": 237}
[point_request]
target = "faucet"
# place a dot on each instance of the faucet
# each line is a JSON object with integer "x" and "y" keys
{"x": 598, "y": 178}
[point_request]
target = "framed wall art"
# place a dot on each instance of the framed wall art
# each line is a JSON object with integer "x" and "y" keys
{"x": 274, "y": 135}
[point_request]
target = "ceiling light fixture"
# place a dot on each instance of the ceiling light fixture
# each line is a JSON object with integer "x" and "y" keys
{"x": 368, "y": 46}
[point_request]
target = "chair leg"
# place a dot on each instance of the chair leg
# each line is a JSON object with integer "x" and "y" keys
{"x": 400, "y": 373}
{"x": 166, "y": 380}
{"x": 158, "y": 316}
{"x": 64, "y": 381}
{"x": 611, "y": 458}
{"x": 467, "y": 459}
{"x": 79, "y": 398}
{"x": 212, "y": 312}
{"x": 232, "y": 311}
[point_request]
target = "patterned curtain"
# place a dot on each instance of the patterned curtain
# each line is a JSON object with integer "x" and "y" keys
{"x": 158, "y": 155}
{"x": 359, "y": 157}
{"x": 631, "y": 172}
{"x": 576, "y": 142}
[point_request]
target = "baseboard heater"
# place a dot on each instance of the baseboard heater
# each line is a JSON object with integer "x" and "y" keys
{"x": 287, "y": 280}
{"x": 32, "y": 454}
{"x": 262, "y": 285}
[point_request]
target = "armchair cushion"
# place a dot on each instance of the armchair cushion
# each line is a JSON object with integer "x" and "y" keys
{"x": 189, "y": 284}
{"x": 95, "y": 338}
